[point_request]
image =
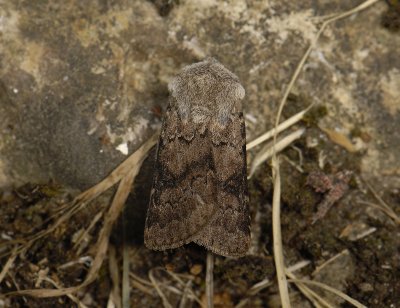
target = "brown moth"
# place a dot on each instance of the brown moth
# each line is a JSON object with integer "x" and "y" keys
{"x": 200, "y": 189}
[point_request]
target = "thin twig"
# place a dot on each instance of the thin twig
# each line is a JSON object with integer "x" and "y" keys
{"x": 298, "y": 265}
{"x": 118, "y": 173}
{"x": 182, "y": 304}
{"x": 72, "y": 297}
{"x": 281, "y": 127}
{"x": 141, "y": 284}
{"x": 383, "y": 205}
{"x": 392, "y": 214}
{"x": 210, "y": 279}
{"x": 277, "y": 236}
{"x": 125, "y": 277}
{"x": 177, "y": 278}
{"x": 141, "y": 280}
{"x": 310, "y": 294}
{"x": 103, "y": 239}
{"x": 268, "y": 152}
{"x": 164, "y": 299}
{"x": 332, "y": 290}
{"x": 260, "y": 286}
{"x": 86, "y": 232}
{"x": 115, "y": 294}
{"x": 9, "y": 263}
{"x": 319, "y": 268}
{"x": 167, "y": 285}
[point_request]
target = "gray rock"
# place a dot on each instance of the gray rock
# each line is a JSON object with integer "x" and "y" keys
{"x": 80, "y": 84}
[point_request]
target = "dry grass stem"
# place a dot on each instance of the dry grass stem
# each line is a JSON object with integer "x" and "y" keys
{"x": 298, "y": 266}
{"x": 319, "y": 268}
{"x": 8, "y": 264}
{"x": 70, "y": 296}
{"x": 332, "y": 290}
{"x": 140, "y": 280}
{"x": 277, "y": 236}
{"x": 365, "y": 233}
{"x": 118, "y": 173}
{"x": 186, "y": 286}
{"x": 81, "y": 260}
{"x": 115, "y": 294}
{"x": 158, "y": 289}
{"x": 243, "y": 303}
{"x": 292, "y": 163}
{"x": 177, "y": 278}
{"x": 125, "y": 276}
{"x": 259, "y": 286}
{"x": 281, "y": 127}
{"x": 87, "y": 230}
{"x": 184, "y": 298}
{"x": 268, "y": 151}
{"x": 210, "y": 280}
{"x": 190, "y": 291}
{"x": 81, "y": 200}
{"x": 141, "y": 284}
{"x": 390, "y": 213}
{"x": 144, "y": 285}
{"x": 313, "y": 297}
{"x": 109, "y": 220}
{"x": 142, "y": 288}
{"x": 383, "y": 206}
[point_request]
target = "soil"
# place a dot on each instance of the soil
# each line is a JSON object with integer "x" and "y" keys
{"x": 366, "y": 267}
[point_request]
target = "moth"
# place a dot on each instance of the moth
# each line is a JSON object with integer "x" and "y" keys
{"x": 199, "y": 191}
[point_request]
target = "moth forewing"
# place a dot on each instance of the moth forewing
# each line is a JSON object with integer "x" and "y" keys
{"x": 200, "y": 190}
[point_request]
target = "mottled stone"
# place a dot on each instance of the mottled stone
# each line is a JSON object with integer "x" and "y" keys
{"x": 80, "y": 84}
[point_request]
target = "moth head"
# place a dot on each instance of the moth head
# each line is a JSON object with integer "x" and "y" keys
{"x": 207, "y": 84}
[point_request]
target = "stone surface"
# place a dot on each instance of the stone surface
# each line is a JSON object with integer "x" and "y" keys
{"x": 83, "y": 85}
